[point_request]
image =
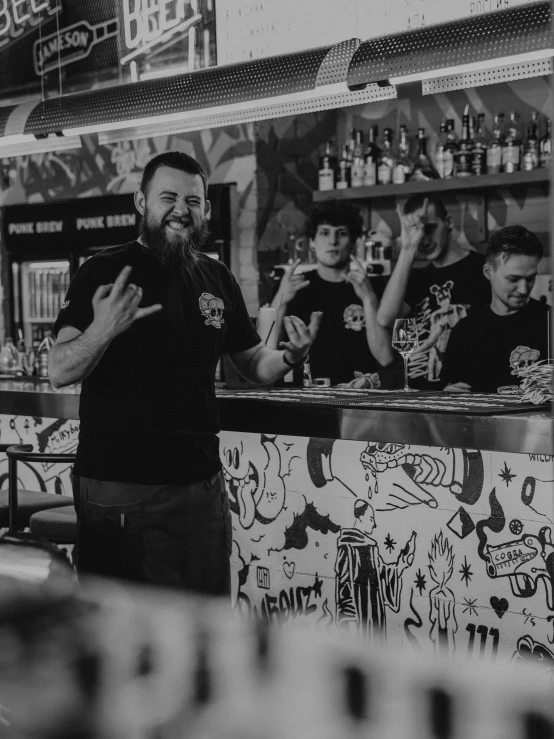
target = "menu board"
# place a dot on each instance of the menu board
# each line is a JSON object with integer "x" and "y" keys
{"x": 250, "y": 29}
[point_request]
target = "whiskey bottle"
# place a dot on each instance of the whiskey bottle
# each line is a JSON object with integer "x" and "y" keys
{"x": 511, "y": 153}
{"x": 403, "y": 167}
{"x": 496, "y": 144}
{"x": 387, "y": 160}
{"x": 530, "y": 158}
{"x": 327, "y": 168}
{"x": 450, "y": 149}
{"x": 423, "y": 167}
{"x": 344, "y": 170}
{"x": 479, "y": 156}
{"x": 545, "y": 146}
{"x": 439, "y": 150}
{"x": 357, "y": 172}
{"x": 371, "y": 157}
{"x": 465, "y": 149}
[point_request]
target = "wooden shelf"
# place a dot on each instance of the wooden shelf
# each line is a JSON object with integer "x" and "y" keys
{"x": 484, "y": 182}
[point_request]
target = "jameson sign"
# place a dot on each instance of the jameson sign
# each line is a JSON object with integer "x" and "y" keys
{"x": 19, "y": 17}
{"x": 70, "y": 44}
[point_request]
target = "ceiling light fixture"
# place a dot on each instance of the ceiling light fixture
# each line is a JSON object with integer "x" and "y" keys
{"x": 430, "y": 74}
{"x": 22, "y": 144}
{"x": 318, "y": 93}
{"x": 236, "y": 114}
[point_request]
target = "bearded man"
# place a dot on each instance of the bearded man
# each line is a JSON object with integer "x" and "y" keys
{"x": 149, "y": 492}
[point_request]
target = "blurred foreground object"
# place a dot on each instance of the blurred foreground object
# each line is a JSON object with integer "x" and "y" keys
{"x": 113, "y": 662}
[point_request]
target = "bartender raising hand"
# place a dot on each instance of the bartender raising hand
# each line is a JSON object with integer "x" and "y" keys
{"x": 349, "y": 338}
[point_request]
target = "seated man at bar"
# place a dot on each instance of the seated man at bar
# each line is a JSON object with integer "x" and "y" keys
{"x": 143, "y": 326}
{"x": 349, "y": 340}
{"x": 487, "y": 349}
{"x": 437, "y": 295}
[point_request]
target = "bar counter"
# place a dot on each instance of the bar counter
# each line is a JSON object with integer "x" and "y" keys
{"x": 528, "y": 432}
{"x": 428, "y": 530}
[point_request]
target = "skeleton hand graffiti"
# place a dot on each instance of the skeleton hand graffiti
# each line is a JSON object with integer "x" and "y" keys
{"x": 457, "y": 470}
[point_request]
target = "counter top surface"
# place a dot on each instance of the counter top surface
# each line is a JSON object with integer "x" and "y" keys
{"x": 527, "y": 432}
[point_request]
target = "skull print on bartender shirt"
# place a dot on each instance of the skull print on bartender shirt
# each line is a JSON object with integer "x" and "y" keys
{"x": 340, "y": 347}
{"x": 212, "y": 308}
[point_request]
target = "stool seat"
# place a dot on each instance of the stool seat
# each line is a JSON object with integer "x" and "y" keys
{"x": 55, "y": 524}
{"x": 29, "y": 502}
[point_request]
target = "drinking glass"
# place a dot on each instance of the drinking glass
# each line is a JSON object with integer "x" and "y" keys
{"x": 405, "y": 341}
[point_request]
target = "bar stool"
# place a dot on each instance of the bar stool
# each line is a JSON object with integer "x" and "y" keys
{"x": 17, "y": 506}
{"x": 58, "y": 525}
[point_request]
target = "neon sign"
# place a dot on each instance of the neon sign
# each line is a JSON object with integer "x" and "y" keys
{"x": 20, "y": 16}
{"x": 147, "y": 24}
{"x": 70, "y": 44}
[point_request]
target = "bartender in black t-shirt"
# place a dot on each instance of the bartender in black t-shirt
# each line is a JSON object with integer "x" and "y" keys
{"x": 350, "y": 342}
{"x": 143, "y": 326}
{"x": 437, "y": 295}
{"x": 487, "y": 349}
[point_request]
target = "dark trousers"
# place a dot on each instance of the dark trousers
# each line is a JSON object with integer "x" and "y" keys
{"x": 176, "y": 536}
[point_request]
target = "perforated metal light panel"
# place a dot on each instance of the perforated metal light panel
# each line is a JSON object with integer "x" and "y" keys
{"x": 206, "y": 88}
{"x": 505, "y": 73}
{"x": 367, "y": 95}
{"x": 334, "y": 67}
{"x": 5, "y": 113}
{"x": 493, "y": 35}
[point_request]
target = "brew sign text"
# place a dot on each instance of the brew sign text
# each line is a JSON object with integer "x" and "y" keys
{"x": 148, "y": 23}
{"x": 18, "y": 16}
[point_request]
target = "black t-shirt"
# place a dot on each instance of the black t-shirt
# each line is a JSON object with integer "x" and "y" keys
{"x": 485, "y": 349}
{"x": 148, "y": 409}
{"x": 442, "y": 296}
{"x": 340, "y": 347}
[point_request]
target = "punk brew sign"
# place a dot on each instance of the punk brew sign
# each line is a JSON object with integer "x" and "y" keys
{"x": 158, "y": 34}
{"x": 69, "y": 44}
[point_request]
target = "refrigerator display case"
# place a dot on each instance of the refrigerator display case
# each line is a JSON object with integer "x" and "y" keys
{"x": 46, "y": 243}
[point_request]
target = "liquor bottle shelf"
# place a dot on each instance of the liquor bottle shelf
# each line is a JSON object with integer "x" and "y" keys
{"x": 483, "y": 182}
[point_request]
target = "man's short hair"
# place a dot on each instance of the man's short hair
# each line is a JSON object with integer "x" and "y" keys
{"x": 511, "y": 240}
{"x": 176, "y": 160}
{"x": 416, "y": 203}
{"x": 336, "y": 213}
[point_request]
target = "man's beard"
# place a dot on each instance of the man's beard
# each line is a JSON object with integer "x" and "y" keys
{"x": 178, "y": 252}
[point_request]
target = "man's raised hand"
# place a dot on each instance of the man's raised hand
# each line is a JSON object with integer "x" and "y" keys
{"x": 116, "y": 306}
{"x": 412, "y": 227}
{"x": 291, "y": 283}
{"x": 301, "y": 337}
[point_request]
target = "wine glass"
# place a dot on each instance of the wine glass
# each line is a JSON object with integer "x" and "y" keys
{"x": 405, "y": 341}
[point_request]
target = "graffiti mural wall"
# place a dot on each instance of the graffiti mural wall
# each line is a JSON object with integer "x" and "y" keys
{"x": 56, "y": 436}
{"x": 438, "y": 550}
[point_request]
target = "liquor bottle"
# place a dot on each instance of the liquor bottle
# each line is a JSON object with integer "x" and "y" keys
{"x": 372, "y": 154}
{"x": 423, "y": 167}
{"x": 385, "y": 168}
{"x": 545, "y": 146}
{"x": 511, "y": 153}
{"x": 403, "y": 167}
{"x": 479, "y": 156}
{"x": 450, "y": 149}
{"x": 496, "y": 144}
{"x": 357, "y": 172}
{"x": 343, "y": 176}
{"x": 530, "y": 158}
{"x": 464, "y": 154}
{"x": 327, "y": 168}
{"x": 439, "y": 150}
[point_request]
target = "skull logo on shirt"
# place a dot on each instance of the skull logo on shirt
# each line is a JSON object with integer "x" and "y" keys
{"x": 354, "y": 317}
{"x": 212, "y": 308}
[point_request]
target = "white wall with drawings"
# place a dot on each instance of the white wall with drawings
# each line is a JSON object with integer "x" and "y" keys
{"x": 445, "y": 551}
